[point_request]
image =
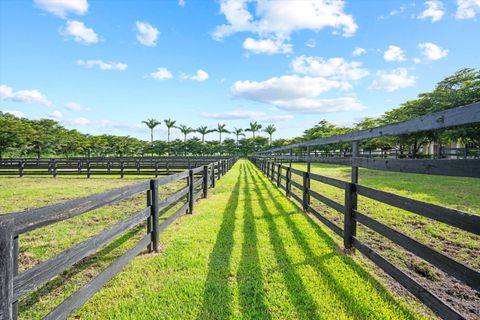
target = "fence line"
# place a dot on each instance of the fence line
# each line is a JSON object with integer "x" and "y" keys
{"x": 352, "y": 216}
{"x": 14, "y": 285}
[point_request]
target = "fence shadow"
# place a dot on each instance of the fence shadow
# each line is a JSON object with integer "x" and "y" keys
{"x": 217, "y": 296}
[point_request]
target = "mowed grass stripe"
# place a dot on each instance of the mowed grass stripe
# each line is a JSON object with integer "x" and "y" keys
{"x": 247, "y": 253}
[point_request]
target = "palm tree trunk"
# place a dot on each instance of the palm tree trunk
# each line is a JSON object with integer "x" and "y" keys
{"x": 151, "y": 135}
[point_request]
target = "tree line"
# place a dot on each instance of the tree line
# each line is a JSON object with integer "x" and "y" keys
{"x": 22, "y": 137}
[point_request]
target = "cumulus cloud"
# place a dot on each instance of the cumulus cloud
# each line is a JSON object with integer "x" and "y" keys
{"x": 73, "y": 106}
{"x": 77, "y": 121}
{"x": 56, "y": 115}
{"x": 295, "y": 93}
{"x": 103, "y": 65}
{"x": 161, "y": 74}
{"x": 335, "y": 68}
{"x": 283, "y": 17}
{"x": 79, "y": 32}
{"x": 467, "y": 9}
{"x": 433, "y": 11}
{"x": 181, "y": 3}
{"x": 246, "y": 115}
{"x": 24, "y": 96}
{"x": 358, "y": 52}
{"x": 199, "y": 76}
{"x": 61, "y": 8}
{"x": 391, "y": 81}
{"x": 267, "y": 46}
{"x": 146, "y": 34}
{"x": 431, "y": 51}
{"x": 16, "y": 113}
{"x": 394, "y": 53}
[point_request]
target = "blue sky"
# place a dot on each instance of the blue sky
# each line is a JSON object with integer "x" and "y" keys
{"x": 104, "y": 66}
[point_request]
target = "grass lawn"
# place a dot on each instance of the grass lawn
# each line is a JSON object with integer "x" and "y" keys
{"x": 246, "y": 253}
{"x": 458, "y": 193}
{"x": 18, "y": 194}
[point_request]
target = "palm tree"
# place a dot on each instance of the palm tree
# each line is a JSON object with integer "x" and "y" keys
{"x": 238, "y": 132}
{"x": 186, "y": 130}
{"x": 221, "y": 128}
{"x": 170, "y": 124}
{"x": 151, "y": 123}
{"x": 270, "y": 129}
{"x": 203, "y": 130}
{"x": 254, "y": 127}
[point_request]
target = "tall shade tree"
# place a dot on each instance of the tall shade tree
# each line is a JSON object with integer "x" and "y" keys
{"x": 203, "y": 130}
{"x": 169, "y": 123}
{"x": 151, "y": 124}
{"x": 186, "y": 130}
{"x": 270, "y": 129}
{"x": 254, "y": 127}
{"x": 221, "y": 128}
{"x": 238, "y": 132}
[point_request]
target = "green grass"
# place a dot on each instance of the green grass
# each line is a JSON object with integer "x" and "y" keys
{"x": 246, "y": 253}
{"x": 18, "y": 194}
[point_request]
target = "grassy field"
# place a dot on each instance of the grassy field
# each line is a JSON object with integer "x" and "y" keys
{"x": 18, "y": 194}
{"x": 246, "y": 253}
{"x": 458, "y": 193}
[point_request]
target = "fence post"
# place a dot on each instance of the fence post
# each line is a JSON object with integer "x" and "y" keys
{"x": 288, "y": 184}
{"x": 190, "y": 191}
{"x": 218, "y": 170}
{"x": 20, "y": 169}
{"x": 149, "y": 218}
{"x": 122, "y": 168}
{"x": 355, "y": 153}
{"x": 349, "y": 223}
{"x": 154, "y": 213}
{"x": 54, "y": 168}
{"x": 7, "y": 271}
{"x": 305, "y": 191}
{"x": 79, "y": 166}
{"x": 156, "y": 169}
{"x": 205, "y": 181}
{"x": 212, "y": 176}
{"x": 88, "y": 168}
{"x": 279, "y": 171}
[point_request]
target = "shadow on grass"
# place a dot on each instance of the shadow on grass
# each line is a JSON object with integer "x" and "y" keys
{"x": 249, "y": 277}
{"x": 59, "y": 282}
{"x": 305, "y": 306}
{"x": 217, "y": 296}
{"x": 351, "y": 305}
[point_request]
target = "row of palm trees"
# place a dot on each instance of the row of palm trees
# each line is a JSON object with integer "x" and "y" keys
{"x": 204, "y": 130}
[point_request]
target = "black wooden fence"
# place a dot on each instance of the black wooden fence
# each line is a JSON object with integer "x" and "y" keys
{"x": 153, "y": 166}
{"x": 15, "y": 285}
{"x": 269, "y": 163}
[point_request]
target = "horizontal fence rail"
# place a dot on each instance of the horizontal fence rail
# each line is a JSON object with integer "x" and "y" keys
{"x": 154, "y": 166}
{"x": 15, "y": 285}
{"x": 302, "y": 193}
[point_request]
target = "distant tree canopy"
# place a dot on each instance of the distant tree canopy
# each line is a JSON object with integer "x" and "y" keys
{"x": 21, "y": 137}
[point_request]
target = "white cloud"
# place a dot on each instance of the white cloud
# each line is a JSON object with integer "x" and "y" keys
{"x": 79, "y": 32}
{"x": 181, "y": 3}
{"x": 77, "y": 121}
{"x": 24, "y": 96}
{"x": 61, "y": 8}
{"x": 246, "y": 114}
{"x": 432, "y": 52}
{"x": 161, "y": 74}
{"x": 311, "y": 43}
{"x": 467, "y": 9}
{"x": 417, "y": 60}
{"x": 295, "y": 93}
{"x": 16, "y": 113}
{"x": 394, "y": 53}
{"x": 281, "y": 18}
{"x": 103, "y": 65}
{"x": 394, "y": 80}
{"x": 267, "y": 46}
{"x": 434, "y": 11}
{"x": 73, "y": 106}
{"x": 358, "y": 52}
{"x": 199, "y": 76}
{"x": 335, "y": 68}
{"x": 147, "y": 34}
{"x": 56, "y": 115}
